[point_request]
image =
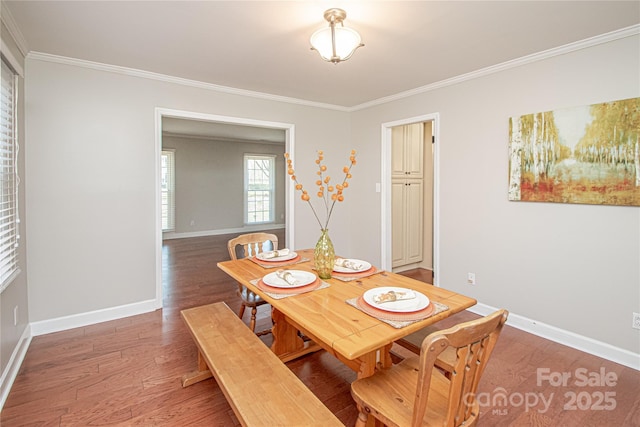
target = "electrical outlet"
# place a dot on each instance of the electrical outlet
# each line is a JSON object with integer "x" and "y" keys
{"x": 636, "y": 321}
{"x": 471, "y": 278}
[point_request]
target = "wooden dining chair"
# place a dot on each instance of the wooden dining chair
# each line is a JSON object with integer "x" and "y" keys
{"x": 244, "y": 246}
{"x": 415, "y": 393}
{"x": 413, "y": 343}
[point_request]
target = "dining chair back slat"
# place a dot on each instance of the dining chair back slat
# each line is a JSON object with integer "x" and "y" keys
{"x": 249, "y": 245}
{"x": 244, "y": 246}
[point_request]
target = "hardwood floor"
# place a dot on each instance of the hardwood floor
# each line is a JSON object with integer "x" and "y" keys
{"x": 127, "y": 372}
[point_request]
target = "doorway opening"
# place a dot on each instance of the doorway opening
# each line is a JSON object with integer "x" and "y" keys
{"x": 212, "y": 127}
{"x": 393, "y": 184}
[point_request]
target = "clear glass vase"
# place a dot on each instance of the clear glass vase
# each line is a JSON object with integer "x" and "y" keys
{"x": 324, "y": 255}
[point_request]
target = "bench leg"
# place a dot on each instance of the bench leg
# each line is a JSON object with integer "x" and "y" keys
{"x": 201, "y": 374}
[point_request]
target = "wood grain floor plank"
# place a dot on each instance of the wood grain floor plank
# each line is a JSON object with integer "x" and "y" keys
{"x": 127, "y": 372}
{"x": 198, "y": 409}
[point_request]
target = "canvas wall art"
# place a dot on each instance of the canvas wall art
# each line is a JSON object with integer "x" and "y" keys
{"x": 588, "y": 154}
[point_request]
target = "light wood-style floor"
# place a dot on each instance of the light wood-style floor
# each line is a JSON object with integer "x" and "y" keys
{"x": 127, "y": 372}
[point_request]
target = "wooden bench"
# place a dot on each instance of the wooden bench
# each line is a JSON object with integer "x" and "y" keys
{"x": 260, "y": 388}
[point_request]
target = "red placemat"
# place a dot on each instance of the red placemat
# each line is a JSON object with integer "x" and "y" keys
{"x": 355, "y": 275}
{"x": 289, "y": 291}
{"x": 272, "y": 264}
{"x": 389, "y": 315}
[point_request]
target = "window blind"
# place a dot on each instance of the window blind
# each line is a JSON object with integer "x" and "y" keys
{"x": 9, "y": 219}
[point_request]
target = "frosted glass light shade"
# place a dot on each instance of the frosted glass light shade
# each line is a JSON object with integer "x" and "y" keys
{"x": 347, "y": 41}
{"x": 335, "y": 43}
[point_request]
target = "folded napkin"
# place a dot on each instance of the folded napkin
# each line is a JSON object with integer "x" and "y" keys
{"x": 393, "y": 296}
{"x": 274, "y": 254}
{"x": 350, "y": 264}
{"x": 288, "y": 292}
{"x": 287, "y": 277}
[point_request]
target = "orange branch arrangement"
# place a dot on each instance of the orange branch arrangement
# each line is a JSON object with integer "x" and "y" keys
{"x": 329, "y": 194}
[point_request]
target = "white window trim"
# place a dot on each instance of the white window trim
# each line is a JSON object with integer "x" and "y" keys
{"x": 171, "y": 191}
{"x": 272, "y": 186}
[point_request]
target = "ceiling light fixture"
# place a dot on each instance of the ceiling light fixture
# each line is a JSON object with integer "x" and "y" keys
{"x": 335, "y": 43}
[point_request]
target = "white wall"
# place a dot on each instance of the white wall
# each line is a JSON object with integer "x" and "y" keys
{"x": 574, "y": 267}
{"x": 91, "y": 171}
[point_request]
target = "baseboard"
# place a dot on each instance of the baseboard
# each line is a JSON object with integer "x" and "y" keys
{"x": 61, "y": 324}
{"x": 570, "y": 339}
{"x": 83, "y": 319}
{"x": 406, "y": 267}
{"x": 203, "y": 233}
{"x": 13, "y": 366}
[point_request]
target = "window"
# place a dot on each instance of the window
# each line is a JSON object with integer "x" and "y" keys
{"x": 167, "y": 189}
{"x": 259, "y": 184}
{"x": 9, "y": 181}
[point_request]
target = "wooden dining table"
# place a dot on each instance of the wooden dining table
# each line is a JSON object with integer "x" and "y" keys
{"x": 322, "y": 319}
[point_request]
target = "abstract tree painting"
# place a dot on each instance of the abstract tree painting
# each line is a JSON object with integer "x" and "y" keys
{"x": 588, "y": 154}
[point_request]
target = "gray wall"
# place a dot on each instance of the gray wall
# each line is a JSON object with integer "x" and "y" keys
{"x": 210, "y": 183}
{"x": 91, "y": 165}
{"x": 572, "y": 267}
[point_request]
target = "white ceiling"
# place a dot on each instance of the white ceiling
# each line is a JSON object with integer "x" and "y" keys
{"x": 263, "y": 46}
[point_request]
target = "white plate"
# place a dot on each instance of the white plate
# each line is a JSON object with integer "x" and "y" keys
{"x": 290, "y": 255}
{"x": 365, "y": 266}
{"x": 304, "y": 278}
{"x": 420, "y": 302}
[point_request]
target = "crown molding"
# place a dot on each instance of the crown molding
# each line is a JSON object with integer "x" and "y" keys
{"x": 539, "y": 56}
{"x": 177, "y": 80}
{"x": 12, "y": 27}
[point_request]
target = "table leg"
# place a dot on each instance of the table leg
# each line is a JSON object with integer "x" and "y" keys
{"x": 385, "y": 356}
{"x": 366, "y": 365}
{"x": 287, "y": 342}
{"x": 285, "y": 336}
